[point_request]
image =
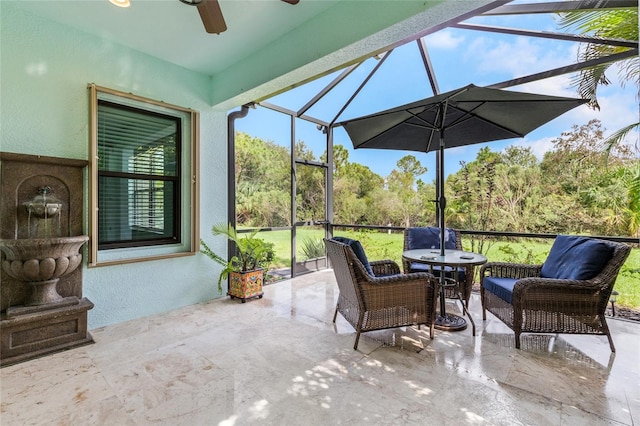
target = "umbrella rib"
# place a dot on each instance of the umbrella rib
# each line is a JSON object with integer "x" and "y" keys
{"x": 478, "y": 110}
{"x": 467, "y": 115}
{"x": 364, "y": 142}
{"x": 427, "y": 125}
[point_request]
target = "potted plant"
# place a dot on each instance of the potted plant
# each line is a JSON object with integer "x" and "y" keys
{"x": 245, "y": 270}
{"x": 314, "y": 256}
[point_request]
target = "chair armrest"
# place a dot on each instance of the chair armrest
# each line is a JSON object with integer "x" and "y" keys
{"x": 400, "y": 278}
{"x": 555, "y": 285}
{"x": 398, "y": 290}
{"x": 552, "y": 294}
{"x": 384, "y": 267}
{"x": 509, "y": 270}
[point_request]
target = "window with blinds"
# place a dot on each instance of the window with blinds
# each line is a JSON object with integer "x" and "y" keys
{"x": 138, "y": 176}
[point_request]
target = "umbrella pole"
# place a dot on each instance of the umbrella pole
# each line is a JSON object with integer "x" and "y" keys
{"x": 443, "y": 320}
{"x": 442, "y": 200}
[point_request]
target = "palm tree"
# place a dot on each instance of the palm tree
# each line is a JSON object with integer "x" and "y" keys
{"x": 633, "y": 205}
{"x": 610, "y": 24}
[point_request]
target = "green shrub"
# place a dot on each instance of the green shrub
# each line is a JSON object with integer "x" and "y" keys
{"x": 312, "y": 248}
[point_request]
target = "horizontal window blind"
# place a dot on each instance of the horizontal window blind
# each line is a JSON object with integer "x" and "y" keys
{"x": 136, "y": 141}
{"x": 138, "y": 176}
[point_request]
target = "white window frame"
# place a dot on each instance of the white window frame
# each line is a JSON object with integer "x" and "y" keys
{"x": 189, "y": 180}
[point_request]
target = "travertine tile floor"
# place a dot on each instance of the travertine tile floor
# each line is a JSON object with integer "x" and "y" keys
{"x": 281, "y": 361}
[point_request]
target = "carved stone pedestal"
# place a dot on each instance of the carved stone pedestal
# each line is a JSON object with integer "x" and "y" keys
{"x": 26, "y": 335}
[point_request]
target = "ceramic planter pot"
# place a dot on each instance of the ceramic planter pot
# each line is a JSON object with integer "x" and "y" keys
{"x": 246, "y": 285}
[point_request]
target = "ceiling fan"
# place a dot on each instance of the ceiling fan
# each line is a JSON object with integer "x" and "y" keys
{"x": 211, "y": 14}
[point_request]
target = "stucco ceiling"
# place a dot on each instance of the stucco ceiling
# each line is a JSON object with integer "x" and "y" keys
{"x": 270, "y": 45}
{"x": 173, "y": 31}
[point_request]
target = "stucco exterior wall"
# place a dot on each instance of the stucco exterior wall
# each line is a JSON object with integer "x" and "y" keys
{"x": 45, "y": 68}
{"x": 44, "y": 71}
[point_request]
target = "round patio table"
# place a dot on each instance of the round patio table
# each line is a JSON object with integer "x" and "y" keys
{"x": 453, "y": 259}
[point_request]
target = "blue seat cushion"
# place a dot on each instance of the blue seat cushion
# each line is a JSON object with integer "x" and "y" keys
{"x": 358, "y": 251}
{"x": 429, "y": 237}
{"x": 501, "y": 287}
{"x": 448, "y": 270}
{"x": 576, "y": 258}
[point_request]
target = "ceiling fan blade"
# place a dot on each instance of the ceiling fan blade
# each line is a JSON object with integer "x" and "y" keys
{"x": 291, "y": 1}
{"x": 211, "y": 16}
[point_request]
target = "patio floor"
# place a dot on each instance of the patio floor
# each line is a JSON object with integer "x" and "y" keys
{"x": 281, "y": 361}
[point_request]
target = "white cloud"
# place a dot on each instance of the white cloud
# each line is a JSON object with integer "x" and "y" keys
{"x": 617, "y": 110}
{"x": 556, "y": 86}
{"x": 444, "y": 40}
{"x": 505, "y": 59}
{"x": 519, "y": 56}
{"x": 618, "y": 107}
{"x": 538, "y": 147}
{"x": 522, "y": 56}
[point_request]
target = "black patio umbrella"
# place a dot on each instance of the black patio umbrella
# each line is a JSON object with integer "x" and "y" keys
{"x": 466, "y": 116}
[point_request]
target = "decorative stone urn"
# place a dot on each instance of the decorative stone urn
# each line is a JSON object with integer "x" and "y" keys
{"x": 40, "y": 262}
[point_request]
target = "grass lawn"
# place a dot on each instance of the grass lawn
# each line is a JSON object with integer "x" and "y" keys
{"x": 380, "y": 245}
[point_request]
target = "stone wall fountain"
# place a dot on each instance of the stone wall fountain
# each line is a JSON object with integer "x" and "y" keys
{"x": 41, "y": 303}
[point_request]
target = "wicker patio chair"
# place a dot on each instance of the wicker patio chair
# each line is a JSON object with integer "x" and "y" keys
{"x": 424, "y": 238}
{"x": 566, "y": 294}
{"x": 384, "y": 299}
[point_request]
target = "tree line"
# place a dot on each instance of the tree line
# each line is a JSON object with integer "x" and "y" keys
{"x": 580, "y": 186}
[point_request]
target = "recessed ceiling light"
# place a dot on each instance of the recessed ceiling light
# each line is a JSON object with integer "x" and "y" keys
{"x": 121, "y": 3}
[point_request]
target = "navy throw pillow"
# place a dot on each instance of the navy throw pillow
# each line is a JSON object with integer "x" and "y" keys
{"x": 429, "y": 237}
{"x": 358, "y": 251}
{"x": 576, "y": 258}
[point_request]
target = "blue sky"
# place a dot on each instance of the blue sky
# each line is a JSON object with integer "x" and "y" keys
{"x": 459, "y": 57}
